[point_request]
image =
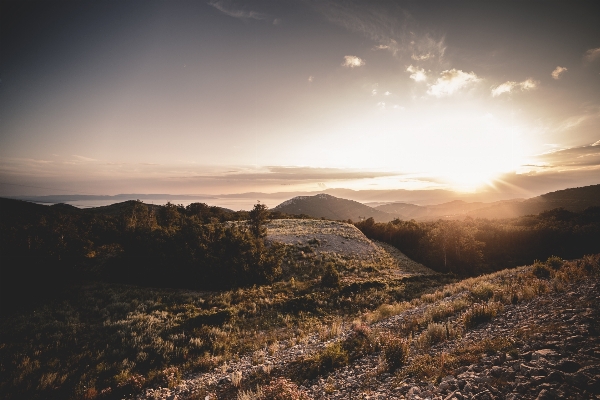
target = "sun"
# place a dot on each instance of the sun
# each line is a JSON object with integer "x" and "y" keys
{"x": 468, "y": 152}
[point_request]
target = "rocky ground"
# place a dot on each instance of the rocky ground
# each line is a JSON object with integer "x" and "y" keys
{"x": 555, "y": 353}
{"x": 556, "y": 356}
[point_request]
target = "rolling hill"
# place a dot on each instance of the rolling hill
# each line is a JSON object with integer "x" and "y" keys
{"x": 331, "y": 207}
{"x": 573, "y": 199}
{"x": 327, "y": 206}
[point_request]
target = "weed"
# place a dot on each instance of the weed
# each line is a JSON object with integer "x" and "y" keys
{"x": 395, "y": 351}
{"x": 282, "y": 389}
{"x": 542, "y": 271}
{"x": 433, "y": 334}
{"x": 479, "y": 313}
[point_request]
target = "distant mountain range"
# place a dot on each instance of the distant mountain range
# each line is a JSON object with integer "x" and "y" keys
{"x": 327, "y": 206}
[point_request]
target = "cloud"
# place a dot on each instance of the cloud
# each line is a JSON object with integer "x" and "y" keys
{"x": 297, "y": 174}
{"x": 417, "y": 74}
{"x": 592, "y": 54}
{"x": 311, "y": 78}
{"x": 507, "y": 87}
{"x": 353, "y": 62}
{"x": 596, "y": 143}
{"x": 390, "y": 26}
{"x": 574, "y": 157}
{"x": 82, "y": 158}
{"x": 381, "y": 47}
{"x": 451, "y": 81}
{"x": 558, "y": 71}
{"x": 422, "y": 57}
{"x": 226, "y": 8}
{"x": 528, "y": 84}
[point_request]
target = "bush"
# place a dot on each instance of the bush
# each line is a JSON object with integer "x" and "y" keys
{"x": 282, "y": 389}
{"x": 332, "y": 357}
{"x": 541, "y": 271}
{"x": 555, "y": 262}
{"x": 330, "y": 277}
{"x": 395, "y": 352}
{"x": 480, "y": 313}
{"x": 360, "y": 342}
{"x": 483, "y": 291}
{"x": 435, "y": 333}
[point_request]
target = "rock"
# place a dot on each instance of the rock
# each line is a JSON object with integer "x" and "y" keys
{"x": 555, "y": 376}
{"x": 413, "y": 391}
{"x": 544, "y": 353}
{"x": 546, "y": 395}
{"x": 496, "y": 371}
{"x": 593, "y": 385}
{"x": 569, "y": 366}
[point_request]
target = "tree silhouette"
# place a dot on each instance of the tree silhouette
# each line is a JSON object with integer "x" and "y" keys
{"x": 258, "y": 217}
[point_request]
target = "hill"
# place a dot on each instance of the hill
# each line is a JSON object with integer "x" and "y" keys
{"x": 330, "y": 207}
{"x": 450, "y": 209}
{"x": 573, "y": 199}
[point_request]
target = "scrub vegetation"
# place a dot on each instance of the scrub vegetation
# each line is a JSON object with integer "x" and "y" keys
{"x": 106, "y": 303}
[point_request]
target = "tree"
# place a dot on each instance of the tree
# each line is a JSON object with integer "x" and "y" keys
{"x": 258, "y": 217}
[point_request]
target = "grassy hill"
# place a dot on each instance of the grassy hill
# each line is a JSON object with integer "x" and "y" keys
{"x": 330, "y": 207}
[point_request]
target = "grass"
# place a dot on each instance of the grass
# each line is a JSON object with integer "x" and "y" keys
{"x": 99, "y": 339}
{"x": 114, "y": 340}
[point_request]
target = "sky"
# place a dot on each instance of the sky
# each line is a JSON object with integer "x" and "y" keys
{"x": 226, "y": 96}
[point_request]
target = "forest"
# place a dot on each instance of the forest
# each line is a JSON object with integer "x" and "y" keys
{"x": 473, "y": 246}
{"x": 198, "y": 247}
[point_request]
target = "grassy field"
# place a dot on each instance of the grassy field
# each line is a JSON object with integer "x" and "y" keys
{"x": 112, "y": 340}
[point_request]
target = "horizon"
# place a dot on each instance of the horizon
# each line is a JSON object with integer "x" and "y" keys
{"x": 246, "y": 201}
{"x": 483, "y": 100}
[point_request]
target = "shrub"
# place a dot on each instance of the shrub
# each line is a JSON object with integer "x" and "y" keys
{"x": 435, "y": 333}
{"x": 541, "y": 271}
{"x": 330, "y": 277}
{"x": 360, "y": 342}
{"x": 480, "y": 313}
{"x": 282, "y": 389}
{"x": 555, "y": 262}
{"x": 332, "y": 357}
{"x": 395, "y": 352}
{"x": 483, "y": 291}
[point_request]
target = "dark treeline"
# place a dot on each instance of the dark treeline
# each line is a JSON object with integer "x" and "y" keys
{"x": 473, "y": 246}
{"x": 45, "y": 248}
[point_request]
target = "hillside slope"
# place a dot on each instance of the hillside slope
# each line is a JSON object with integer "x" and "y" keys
{"x": 330, "y": 207}
{"x": 530, "y": 333}
{"x": 572, "y": 199}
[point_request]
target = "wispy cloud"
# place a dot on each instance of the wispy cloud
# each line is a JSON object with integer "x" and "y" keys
{"x": 422, "y": 57}
{"x": 417, "y": 74}
{"x": 451, "y": 81}
{"x": 509, "y": 86}
{"x": 574, "y": 157}
{"x": 505, "y": 87}
{"x": 311, "y": 78}
{"x": 82, "y": 158}
{"x": 237, "y": 12}
{"x": 558, "y": 71}
{"x": 592, "y": 54}
{"x": 353, "y": 62}
{"x": 391, "y": 27}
